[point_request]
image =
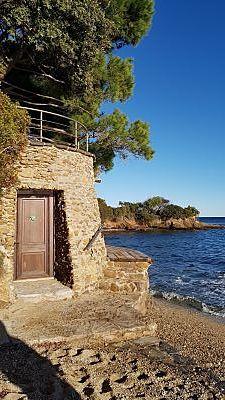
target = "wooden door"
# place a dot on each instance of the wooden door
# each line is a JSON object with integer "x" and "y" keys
{"x": 34, "y": 244}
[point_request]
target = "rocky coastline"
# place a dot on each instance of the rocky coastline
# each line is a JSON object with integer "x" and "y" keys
{"x": 121, "y": 225}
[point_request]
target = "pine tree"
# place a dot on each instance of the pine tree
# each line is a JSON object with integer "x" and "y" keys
{"x": 68, "y": 49}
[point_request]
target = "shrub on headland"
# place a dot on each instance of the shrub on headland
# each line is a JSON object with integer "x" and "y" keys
{"x": 155, "y": 208}
{"x": 172, "y": 211}
{"x": 13, "y": 138}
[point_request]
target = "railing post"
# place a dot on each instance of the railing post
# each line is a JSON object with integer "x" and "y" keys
{"x": 41, "y": 126}
{"x": 76, "y": 139}
{"x": 87, "y": 141}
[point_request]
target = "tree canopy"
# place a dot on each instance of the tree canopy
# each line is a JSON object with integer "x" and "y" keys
{"x": 69, "y": 50}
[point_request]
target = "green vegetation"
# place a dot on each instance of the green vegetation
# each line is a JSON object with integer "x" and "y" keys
{"x": 155, "y": 208}
{"x": 13, "y": 139}
{"x": 68, "y": 49}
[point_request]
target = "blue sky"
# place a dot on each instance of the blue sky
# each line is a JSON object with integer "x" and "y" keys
{"x": 180, "y": 91}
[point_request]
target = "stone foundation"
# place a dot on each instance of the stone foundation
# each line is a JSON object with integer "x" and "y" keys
{"x": 125, "y": 277}
{"x": 71, "y": 172}
{"x": 5, "y": 267}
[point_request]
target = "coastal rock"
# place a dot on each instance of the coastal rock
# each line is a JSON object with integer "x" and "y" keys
{"x": 132, "y": 225}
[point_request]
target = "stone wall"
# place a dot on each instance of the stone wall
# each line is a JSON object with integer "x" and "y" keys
{"x": 50, "y": 167}
{"x": 5, "y": 266}
{"x": 125, "y": 277}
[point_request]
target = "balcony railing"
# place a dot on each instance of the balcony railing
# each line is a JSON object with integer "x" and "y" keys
{"x": 47, "y": 126}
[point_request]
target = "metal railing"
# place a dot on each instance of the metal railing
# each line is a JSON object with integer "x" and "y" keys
{"x": 47, "y": 126}
{"x": 93, "y": 239}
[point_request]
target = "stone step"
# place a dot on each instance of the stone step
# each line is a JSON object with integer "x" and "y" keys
{"x": 148, "y": 341}
{"x": 139, "y": 334}
{"x": 41, "y": 289}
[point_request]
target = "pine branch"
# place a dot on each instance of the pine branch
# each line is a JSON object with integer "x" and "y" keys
{"x": 40, "y": 74}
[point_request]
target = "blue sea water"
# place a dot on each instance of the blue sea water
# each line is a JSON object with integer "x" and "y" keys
{"x": 189, "y": 266}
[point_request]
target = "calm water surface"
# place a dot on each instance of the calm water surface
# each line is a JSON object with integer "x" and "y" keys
{"x": 189, "y": 266}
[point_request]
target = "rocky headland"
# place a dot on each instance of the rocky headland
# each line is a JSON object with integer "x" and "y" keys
{"x": 153, "y": 213}
{"x": 125, "y": 224}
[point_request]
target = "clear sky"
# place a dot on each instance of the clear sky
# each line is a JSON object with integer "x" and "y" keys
{"x": 180, "y": 91}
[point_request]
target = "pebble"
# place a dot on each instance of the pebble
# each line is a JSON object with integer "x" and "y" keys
{"x": 15, "y": 396}
{"x": 129, "y": 372}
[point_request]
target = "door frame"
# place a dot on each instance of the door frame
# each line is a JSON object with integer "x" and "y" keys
{"x": 26, "y": 193}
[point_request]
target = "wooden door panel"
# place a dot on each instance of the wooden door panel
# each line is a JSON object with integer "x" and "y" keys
{"x": 34, "y": 217}
{"x": 33, "y": 264}
{"x": 34, "y": 237}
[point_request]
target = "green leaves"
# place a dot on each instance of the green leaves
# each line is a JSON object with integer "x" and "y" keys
{"x": 116, "y": 135}
{"x": 119, "y": 79}
{"x": 176, "y": 212}
{"x": 13, "y": 138}
{"x": 132, "y": 19}
{"x": 191, "y": 211}
{"x": 59, "y": 37}
{"x": 67, "y": 49}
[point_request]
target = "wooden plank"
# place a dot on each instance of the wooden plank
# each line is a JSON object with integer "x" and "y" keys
{"x": 119, "y": 252}
{"x": 131, "y": 254}
{"x": 128, "y": 255}
{"x": 138, "y": 255}
{"x": 112, "y": 257}
{"x": 125, "y": 254}
{"x": 111, "y": 253}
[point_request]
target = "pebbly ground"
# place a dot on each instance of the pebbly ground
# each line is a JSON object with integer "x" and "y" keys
{"x": 187, "y": 362}
{"x": 130, "y": 371}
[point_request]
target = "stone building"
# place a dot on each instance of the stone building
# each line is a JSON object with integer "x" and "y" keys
{"x": 49, "y": 219}
{"x": 50, "y": 230}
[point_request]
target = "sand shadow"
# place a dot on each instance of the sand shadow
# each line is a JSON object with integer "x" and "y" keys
{"x": 34, "y": 375}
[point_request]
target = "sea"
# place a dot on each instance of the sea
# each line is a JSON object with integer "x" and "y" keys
{"x": 188, "y": 267}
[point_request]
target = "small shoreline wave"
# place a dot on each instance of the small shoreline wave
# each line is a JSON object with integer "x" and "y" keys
{"x": 189, "y": 302}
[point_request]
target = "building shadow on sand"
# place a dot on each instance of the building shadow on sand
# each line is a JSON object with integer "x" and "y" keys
{"x": 34, "y": 375}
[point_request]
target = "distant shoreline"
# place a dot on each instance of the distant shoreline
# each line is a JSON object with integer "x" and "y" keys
{"x": 149, "y": 229}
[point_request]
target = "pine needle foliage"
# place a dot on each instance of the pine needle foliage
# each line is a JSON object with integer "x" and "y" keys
{"x": 69, "y": 49}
